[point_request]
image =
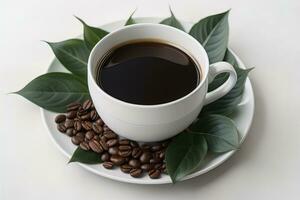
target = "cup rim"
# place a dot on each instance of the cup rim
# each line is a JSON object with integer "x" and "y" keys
{"x": 184, "y": 34}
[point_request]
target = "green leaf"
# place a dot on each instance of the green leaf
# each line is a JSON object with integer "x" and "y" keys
{"x": 53, "y": 91}
{"x": 184, "y": 154}
{"x": 213, "y": 32}
{"x": 87, "y": 157}
{"x": 92, "y": 35}
{"x": 229, "y": 57}
{"x": 227, "y": 104}
{"x": 219, "y": 131}
{"x": 172, "y": 21}
{"x": 130, "y": 20}
{"x": 73, "y": 54}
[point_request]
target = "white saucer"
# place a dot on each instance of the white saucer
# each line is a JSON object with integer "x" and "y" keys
{"x": 243, "y": 119}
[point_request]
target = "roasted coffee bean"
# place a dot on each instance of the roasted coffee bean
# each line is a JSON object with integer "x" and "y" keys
{"x": 87, "y": 104}
{"x": 61, "y": 127}
{"x": 103, "y": 138}
{"x": 111, "y": 142}
{"x": 113, "y": 150}
{"x": 163, "y": 167}
{"x": 136, "y": 152}
{"x": 146, "y": 167}
{"x": 117, "y": 160}
{"x": 134, "y": 144}
{"x": 75, "y": 140}
{"x": 100, "y": 122}
{"x": 85, "y": 116}
{"x": 77, "y": 125}
{"x": 125, "y": 168}
{"x": 124, "y": 153}
{"x": 136, "y": 172}
{"x": 95, "y": 146}
{"x": 60, "y": 118}
{"x": 124, "y": 142}
{"x": 108, "y": 165}
{"x": 94, "y": 115}
{"x": 146, "y": 147}
{"x": 161, "y": 155}
{"x": 157, "y": 166}
{"x": 97, "y": 128}
{"x": 154, "y": 160}
{"x": 87, "y": 125}
{"x": 73, "y": 106}
{"x": 106, "y": 128}
{"x": 71, "y": 114}
{"x": 165, "y": 143}
{"x": 105, "y": 157}
{"x": 96, "y": 137}
{"x": 156, "y": 148}
{"x": 81, "y": 112}
{"x": 134, "y": 163}
{"x": 110, "y": 135}
{"x": 145, "y": 157}
{"x": 154, "y": 173}
{"x": 84, "y": 146}
{"x": 70, "y": 132}
{"x": 104, "y": 145}
{"x": 124, "y": 147}
{"x": 89, "y": 135}
{"x": 69, "y": 123}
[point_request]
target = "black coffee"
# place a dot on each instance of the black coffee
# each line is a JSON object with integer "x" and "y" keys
{"x": 147, "y": 73}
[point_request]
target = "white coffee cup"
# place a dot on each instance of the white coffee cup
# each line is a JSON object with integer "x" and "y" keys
{"x": 149, "y": 123}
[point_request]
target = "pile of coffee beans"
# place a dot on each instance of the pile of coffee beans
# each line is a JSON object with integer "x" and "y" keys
{"x": 87, "y": 130}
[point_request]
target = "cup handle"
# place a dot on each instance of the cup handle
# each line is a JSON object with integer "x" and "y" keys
{"x": 214, "y": 70}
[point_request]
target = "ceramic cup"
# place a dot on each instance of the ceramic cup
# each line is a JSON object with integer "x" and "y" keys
{"x": 149, "y": 123}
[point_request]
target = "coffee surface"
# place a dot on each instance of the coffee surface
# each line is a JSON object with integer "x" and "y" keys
{"x": 147, "y": 73}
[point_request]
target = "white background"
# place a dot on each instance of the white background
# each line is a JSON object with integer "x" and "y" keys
{"x": 266, "y": 35}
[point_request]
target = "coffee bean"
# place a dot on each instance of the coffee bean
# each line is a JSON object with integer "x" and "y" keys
{"x": 161, "y": 155}
{"x": 94, "y": 115}
{"x": 62, "y": 128}
{"x": 100, "y": 122}
{"x": 113, "y": 150}
{"x": 71, "y": 114}
{"x": 154, "y": 160}
{"x": 157, "y": 166}
{"x": 77, "y": 125}
{"x": 106, "y": 128}
{"x": 136, "y": 152}
{"x": 85, "y": 146}
{"x": 89, "y": 135}
{"x": 124, "y": 142}
{"x": 124, "y": 153}
{"x": 69, "y": 123}
{"x": 95, "y": 146}
{"x": 73, "y": 106}
{"x": 110, "y": 135}
{"x": 134, "y": 144}
{"x": 108, "y": 165}
{"x": 60, "y": 118}
{"x": 105, "y": 157}
{"x": 85, "y": 116}
{"x": 125, "y": 168}
{"x": 145, "y": 157}
{"x": 111, "y": 142}
{"x": 136, "y": 172}
{"x": 87, "y": 104}
{"x": 146, "y": 147}
{"x": 124, "y": 147}
{"x": 154, "y": 173}
{"x": 165, "y": 143}
{"x": 96, "y": 137}
{"x": 156, "y": 148}
{"x": 117, "y": 160}
{"x": 163, "y": 167}
{"x": 87, "y": 125}
{"x": 81, "y": 112}
{"x": 75, "y": 140}
{"x": 80, "y": 136}
{"x": 104, "y": 145}
{"x": 146, "y": 167}
{"x": 70, "y": 132}
{"x": 97, "y": 128}
{"x": 103, "y": 138}
{"x": 134, "y": 163}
